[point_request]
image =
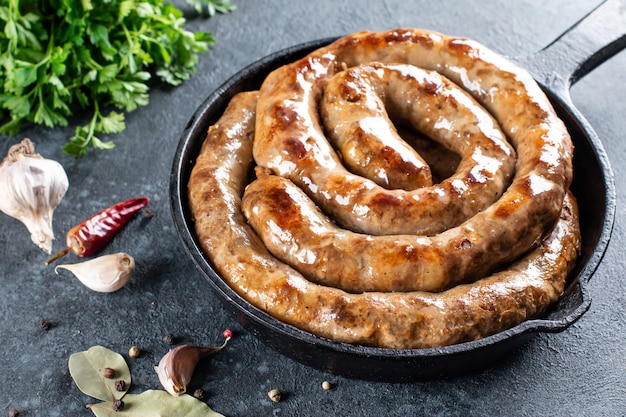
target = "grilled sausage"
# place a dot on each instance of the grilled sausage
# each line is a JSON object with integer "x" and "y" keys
{"x": 299, "y": 234}
{"x": 391, "y": 320}
{"x": 358, "y": 105}
{"x": 354, "y": 113}
{"x": 291, "y": 142}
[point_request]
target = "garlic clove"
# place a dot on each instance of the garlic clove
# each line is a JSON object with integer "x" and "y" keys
{"x": 177, "y": 366}
{"x": 31, "y": 187}
{"x": 106, "y": 273}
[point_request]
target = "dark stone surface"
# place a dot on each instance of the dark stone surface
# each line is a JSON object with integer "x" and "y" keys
{"x": 578, "y": 372}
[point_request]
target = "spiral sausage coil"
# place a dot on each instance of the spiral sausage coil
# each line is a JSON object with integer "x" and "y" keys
{"x": 348, "y": 233}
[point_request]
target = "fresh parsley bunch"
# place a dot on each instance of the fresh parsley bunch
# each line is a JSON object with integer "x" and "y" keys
{"x": 60, "y": 55}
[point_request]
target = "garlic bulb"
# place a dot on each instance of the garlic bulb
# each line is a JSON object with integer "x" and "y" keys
{"x": 105, "y": 273}
{"x": 176, "y": 367}
{"x": 31, "y": 187}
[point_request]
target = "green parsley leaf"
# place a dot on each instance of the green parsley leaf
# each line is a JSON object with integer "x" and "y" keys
{"x": 64, "y": 57}
{"x": 211, "y": 7}
{"x": 113, "y": 123}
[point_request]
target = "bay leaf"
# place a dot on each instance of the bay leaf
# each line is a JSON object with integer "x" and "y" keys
{"x": 87, "y": 371}
{"x": 155, "y": 403}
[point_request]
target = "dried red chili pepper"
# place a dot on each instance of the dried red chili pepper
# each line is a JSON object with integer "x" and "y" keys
{"x": 93, "y": 233}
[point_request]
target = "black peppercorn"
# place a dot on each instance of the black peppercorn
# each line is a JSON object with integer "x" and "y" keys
{"x": 45, "y": 324}
{"x": 169, "y": 338}
{"x": 199, "y": 393}
{"x": 118, "y": 405}
{"x": 120, "y": 385}
{"x": 148, "y": 213}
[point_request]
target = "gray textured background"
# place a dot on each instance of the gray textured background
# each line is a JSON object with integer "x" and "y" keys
{"x": 581, "y": 371}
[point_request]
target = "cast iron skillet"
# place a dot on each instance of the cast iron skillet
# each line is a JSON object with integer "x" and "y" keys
{"x": 586, "y": 45}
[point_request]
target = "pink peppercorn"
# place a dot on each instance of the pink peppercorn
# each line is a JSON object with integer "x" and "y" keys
{"x": 228, "y": 333}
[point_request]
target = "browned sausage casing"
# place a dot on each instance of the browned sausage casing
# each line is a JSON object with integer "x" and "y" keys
{"x": 392, "y": 320}
{"x": 357, "y": 107}
{"x": 291, "y": 142}
{"x": 299, "y": 234}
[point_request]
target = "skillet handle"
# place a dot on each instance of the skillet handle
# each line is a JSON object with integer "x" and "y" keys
{"x": 588, "y": 43}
